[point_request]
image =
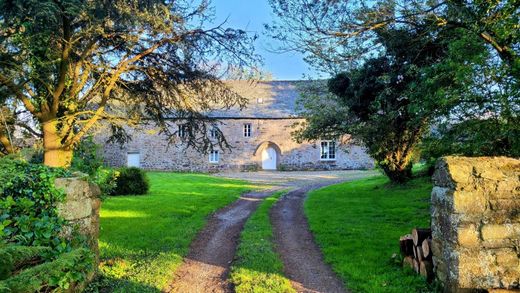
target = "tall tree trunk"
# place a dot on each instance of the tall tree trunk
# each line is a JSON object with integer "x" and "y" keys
{"x": 55, "y": 154}
{"x": 6, "y": 143}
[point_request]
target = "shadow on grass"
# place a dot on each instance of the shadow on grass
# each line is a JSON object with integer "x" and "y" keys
{"x": 103, "y": 284}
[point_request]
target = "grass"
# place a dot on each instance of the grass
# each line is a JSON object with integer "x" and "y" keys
{"x": 143, "y": 238}
{"x": 358, "y": 224}
{"x": 257, "y": 267}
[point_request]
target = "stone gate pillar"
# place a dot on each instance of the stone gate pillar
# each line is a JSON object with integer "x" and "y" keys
{"x": 81, "y": 209}
{"x": 476, "y": 223}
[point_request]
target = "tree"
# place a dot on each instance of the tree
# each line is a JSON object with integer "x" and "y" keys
{"x": 71, "y": 64}
{"x": 335, "y": 34}
{"x": 379, "y": 103}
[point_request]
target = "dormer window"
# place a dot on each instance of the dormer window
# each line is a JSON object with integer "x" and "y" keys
{"x": 247, "y": 130}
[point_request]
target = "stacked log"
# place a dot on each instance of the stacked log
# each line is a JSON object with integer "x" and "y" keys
{"x": 416, "y": 251}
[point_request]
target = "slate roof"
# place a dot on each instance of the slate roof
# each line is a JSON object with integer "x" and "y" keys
{"x": 267, "y": 99}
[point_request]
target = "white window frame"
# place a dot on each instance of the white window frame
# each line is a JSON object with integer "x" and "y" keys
{"x": 213, "y": 132}
{"x": 329, "y": 156}
{"x": 182, "y": 130}
{"x": 214, "y": 156}
{"x": 128, "y": 154}
{"x": 248, "y": 129}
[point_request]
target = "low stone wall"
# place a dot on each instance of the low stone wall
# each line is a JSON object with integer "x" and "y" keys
{"x": 476, "y": 223}
{"x": 81, "y": 209}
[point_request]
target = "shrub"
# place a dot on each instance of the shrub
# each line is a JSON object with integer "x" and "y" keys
{"x": 131, "y": 181}
{"x": 67, "y": 270}
{"x": 106, "y": 179}
{"x": 28, "y": 205}
{"x": 86, "y": 158}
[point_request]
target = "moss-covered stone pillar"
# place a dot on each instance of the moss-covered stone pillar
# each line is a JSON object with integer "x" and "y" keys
{"x": 81, "y": 209}
{"x": 476, "y": 223}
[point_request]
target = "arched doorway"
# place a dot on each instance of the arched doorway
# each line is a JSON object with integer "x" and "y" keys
{"x": 268, "y": 154}
{"x": 269, "y": 158}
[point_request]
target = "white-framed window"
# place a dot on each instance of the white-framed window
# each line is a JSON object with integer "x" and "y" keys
{"x": 328, "y": 150}
{"x": 214, "y": 156}
{"x": 182, "y": 130}
{"x": 247, "y": 130}
{"x": 133, "y": 159}
{"x": 213, "y": 132}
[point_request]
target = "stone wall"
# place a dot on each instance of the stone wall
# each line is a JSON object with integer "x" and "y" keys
{"x": 245, "y": 154}
{"x": 81, "y": 209}
{"x": 476, "y": 223}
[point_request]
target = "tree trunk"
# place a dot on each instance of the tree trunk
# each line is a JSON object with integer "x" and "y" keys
{"x": 6, "y": 143}
{"x": 55, "y": 154}
{"x": 398, "y": 174}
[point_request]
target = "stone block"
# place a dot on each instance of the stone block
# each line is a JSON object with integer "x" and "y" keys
{"x": 469, "y": 203}
{"x": 75, "y": 209}
{"x": 468, "y": 236}
{"x": 505, "y": 231}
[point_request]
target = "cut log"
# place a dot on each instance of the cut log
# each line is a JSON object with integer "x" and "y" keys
{"x": 419, "y": 253}
{"x": 416, "y": 265}
{"x": 418, "y": 235}
{"x": 406, "y": 245}
{"x": 408, "y": 262}
{"x": 426, "y": 248}
{"x": 426, "y": 270}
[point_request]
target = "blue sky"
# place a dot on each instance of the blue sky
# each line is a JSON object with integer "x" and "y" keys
{"x": 250, "y": 15}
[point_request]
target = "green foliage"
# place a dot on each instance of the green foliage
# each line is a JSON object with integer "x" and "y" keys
{"x": 131, "y": 181}
{"x": 144, "y": 238}
{"x": 28, "y": 214}
{"x": 67, "y": 270}
{"x": 87, "y": 160}
{"x": 358, "y": 224}
{"x": 257, "y": 267}
{"x": 14, "y": 257}
{"x": 86, "y": 157}
{"x": 476, "y": 137}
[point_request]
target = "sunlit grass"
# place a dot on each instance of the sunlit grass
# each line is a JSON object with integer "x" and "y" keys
{"x": 144, "y": 238}
{"x": 257, "y": 267}
{"x": 358, "y": 224}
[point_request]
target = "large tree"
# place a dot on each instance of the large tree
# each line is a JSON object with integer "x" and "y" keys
{"x": 70, "y": 64}
{"x": 337, "y": 33}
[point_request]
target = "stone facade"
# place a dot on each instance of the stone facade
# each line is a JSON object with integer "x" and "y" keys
{"x": 245, "y": 153}
{"x": 81, "y": 209}
{"x": 476, "y": 223}
{"x": 272, "y": 112}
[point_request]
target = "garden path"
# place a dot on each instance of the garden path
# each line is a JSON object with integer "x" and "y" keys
{"x": 206, "y": 267}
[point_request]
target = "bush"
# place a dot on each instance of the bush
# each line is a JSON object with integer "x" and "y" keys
{"x": 68, "y": 271}
{"x": 131, "y": 181}
{"x": 86, "y": 158}
{"x": 28, "y": 205}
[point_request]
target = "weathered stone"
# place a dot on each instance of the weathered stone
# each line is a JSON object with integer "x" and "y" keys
{"x": 469, "y": 236}
{"x": 476, "y": 223}
{"x": 469, "y": 203}
{"x": 505, "y": 231}
{"x": 80, "y": 209}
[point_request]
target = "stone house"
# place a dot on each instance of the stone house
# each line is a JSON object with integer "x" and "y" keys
{"x": 259, "y": 135}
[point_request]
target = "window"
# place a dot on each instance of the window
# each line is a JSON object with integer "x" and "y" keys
{"x": 247, "y": 130}
{"x": 133, "y": 159}
{"x": 213, "y": 133}
{"x": 328, "y": 150}
{"x": 214, "y": 156}
{"x": 182, "y": 130}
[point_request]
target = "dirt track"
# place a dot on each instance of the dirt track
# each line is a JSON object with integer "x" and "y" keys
{"x": 302, "y": 258}
{"x": 206, "y": 267}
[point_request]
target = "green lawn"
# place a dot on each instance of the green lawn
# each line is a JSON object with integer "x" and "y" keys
{"x": 143, "y": 238}
{"x": 257, "y": 267}
{"x": 358, "y": 224}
